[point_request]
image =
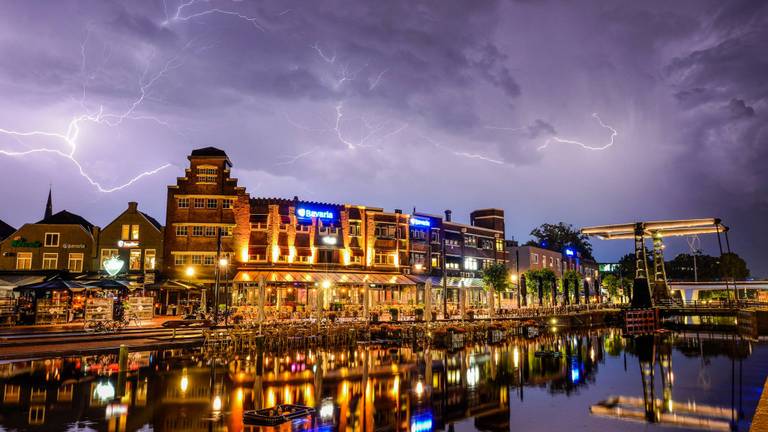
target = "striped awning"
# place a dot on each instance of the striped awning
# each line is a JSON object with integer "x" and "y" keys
{"x": 332, "y": 277}
{"x": 451, "y": 282}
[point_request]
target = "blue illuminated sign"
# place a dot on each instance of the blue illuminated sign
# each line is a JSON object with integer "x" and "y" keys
{"x": 308, "y": 213}
{"x": 422, "y": 423}
{"x": 570, "y": 252}
{"x": 420, "y": 222}
{"x": 575, "y": 371}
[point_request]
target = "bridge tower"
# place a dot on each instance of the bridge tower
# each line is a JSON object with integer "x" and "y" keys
{"x": 660, "y": 288}
{"x": 641, "y": 290}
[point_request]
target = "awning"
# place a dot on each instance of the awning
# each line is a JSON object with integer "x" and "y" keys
{"x": 175, "y": 284}
{"x": 334, "y": 278}
{"x": 452, "y": 282}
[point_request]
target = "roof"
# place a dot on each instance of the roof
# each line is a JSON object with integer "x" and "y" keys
{"x": 6, "y": 230}
{"x": 153, "y": 221}
{"x": 209, "y": 151}
{"x": 66, "y": 218}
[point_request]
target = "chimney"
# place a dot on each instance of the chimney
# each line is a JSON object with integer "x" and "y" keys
{"x": 133, "y": 206}
{"x": 447, "y": 215}
{"x": 398, "y": 211}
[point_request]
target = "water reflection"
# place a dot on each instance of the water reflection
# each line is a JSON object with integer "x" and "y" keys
{"x": 353, "y": 390}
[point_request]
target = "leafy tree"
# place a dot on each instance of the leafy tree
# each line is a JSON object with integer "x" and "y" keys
{"x": 496, "y": 277}
{"x": 558, "y": 236}
{"x": 733, "y": 266}
{"x": 615, "y": 285}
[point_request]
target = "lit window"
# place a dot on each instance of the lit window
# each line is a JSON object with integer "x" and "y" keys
{"x": 105, "y": 255}
{"x": 183, "y": 202}
{"x": 207, "y": 174}
{"x": 199, "y": 202}
{"x": 470, "y": 241}
{"x": 125, "y": 233}
{"x": 436, "y": 260}
{"x": 197, "y": 231}
{"x": 134, "y": 263}
{"x": 182, "y": 230}
{"x": 24, "y": 261}
{"x": 228, "y": 231}
{"x": 208, "y": 259}
{"x": 212, "y": 203}
{"x": 51, "y": 239}
{"x": 197, "y": 259}
{"x": 50, "y": 261}
{"x": 470, "y": 263}
{"x": 134, "y": 232}
{"x": 227, "y": 203}
{"x": 149, "y": 259}
{"x": 535, "y": 258}
{"x": 75, "y": 264}
{"x": 210, "y": 231}
{"x": 179, "y": 260}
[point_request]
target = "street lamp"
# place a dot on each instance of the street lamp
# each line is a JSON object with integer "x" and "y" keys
{"x": 189, "y": 271}
{"x": 224, "y": 262}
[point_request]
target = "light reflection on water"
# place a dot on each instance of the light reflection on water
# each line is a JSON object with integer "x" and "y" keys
{"x": 551, "y": 382}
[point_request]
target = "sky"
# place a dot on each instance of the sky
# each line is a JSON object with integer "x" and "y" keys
{"x": 590, "y": 113}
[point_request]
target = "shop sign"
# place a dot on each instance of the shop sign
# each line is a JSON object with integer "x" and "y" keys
{"x": 73, "y": 246}
{"x": 309, "y": 213}
{"x": 23, "y": 243}
{"x": 113, "y": 265}
{"x": 420, "y": 222}
{"x": 127, "y": 244}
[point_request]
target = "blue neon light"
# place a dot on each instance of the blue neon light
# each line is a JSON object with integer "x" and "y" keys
{"x": 575, "y": 374}
{"x": 308, "y": 213}
{"x": 570, "y": 252}
{"x": 422, "y": 423}
{"x": 420, "y": 222}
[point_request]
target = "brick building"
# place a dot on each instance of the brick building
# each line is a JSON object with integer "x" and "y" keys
{"x": 136, "y": 238}
{"x": 61, "y": 242}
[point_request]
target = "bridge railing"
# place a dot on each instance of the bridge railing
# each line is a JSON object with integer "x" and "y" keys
{"x": 711, "y": 304}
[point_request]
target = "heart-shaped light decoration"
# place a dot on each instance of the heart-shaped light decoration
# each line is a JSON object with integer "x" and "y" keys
{"x": 113, "y": 265}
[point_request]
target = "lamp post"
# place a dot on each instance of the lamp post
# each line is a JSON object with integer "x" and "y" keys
{"x": 223, "y": 262}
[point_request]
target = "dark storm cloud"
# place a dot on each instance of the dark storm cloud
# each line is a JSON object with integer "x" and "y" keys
{"x": 371, "y": 101}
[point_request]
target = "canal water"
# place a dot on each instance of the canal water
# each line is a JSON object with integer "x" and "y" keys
{"x": 589, "y": 381}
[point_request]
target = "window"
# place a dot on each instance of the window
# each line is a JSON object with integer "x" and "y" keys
{"x": 354, "y": 229}
{"x": 199, "y": 202}
{"x": 418, "y": 234}
{"x": 51, "y": 239}
{"x": 197, "y": 231}
{"x": 134, "y": 232}
{"x": 228, "y": 231}
{"x": 134, "y": 261}
{"x": 385, "y": 231}
{"x": 197, "y": 259}
{"x": 50, "y": 261}
{"x": 227, "y": 203}
{"x": 357, "y": 260}
{"x": 179, "y": 260}
{"x": 470, "y": 263}
{"x": 149, "y": 259}
{"x": 24, "y": 261}
{"x": 535, "y": 258}
{"x": 452, "y": 243}
{"x": 75, "y": 264}
{"x": 206, "y": 174}
{"x": 210, "y": 231}
{"x": 500, "y": 245}
{"x": 435, "y": 235}
{"x": 486, "y": 244}
{"x": 551, "y": 261}
{"x": 183, "y": 202}
{"x": 418, "y": 259}
{"x": 435, "y": 260}
{"x": 384, "y": 258}
{"x": 212, "y": 203}
{"x": 208, "y": 259}
{"x": 125, "y": 233}
{"x": 470, "y": 241}
{"x": 182, "y": 230}
{"x": 105, "y": 255}
{"x": 452, "y": 265}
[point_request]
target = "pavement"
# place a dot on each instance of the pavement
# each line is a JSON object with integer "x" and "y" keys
{"x": 760, "y": 420}
{"x": 74, "y": 326}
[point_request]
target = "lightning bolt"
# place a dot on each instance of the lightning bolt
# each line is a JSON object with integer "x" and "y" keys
{"x": 70, "y": 137}
{"x": 614, "y": 134}
{"x": 292, "y": 159}
{"x": 464, "y": 154}
{"x": 180, "y": 15}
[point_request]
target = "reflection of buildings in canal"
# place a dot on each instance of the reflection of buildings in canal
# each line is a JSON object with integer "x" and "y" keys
{"x": 358, "y": 389}
{"x": 652, "y": 350}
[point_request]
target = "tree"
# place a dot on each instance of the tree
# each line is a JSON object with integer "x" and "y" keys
{"x": 496, "y": 279}
{"x": 733, "y": 267}
{"x": 612, "y": 284}
{"x": 559, "y": 236}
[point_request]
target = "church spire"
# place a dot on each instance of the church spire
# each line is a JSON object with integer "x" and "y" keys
{"x": 49, "y": 205}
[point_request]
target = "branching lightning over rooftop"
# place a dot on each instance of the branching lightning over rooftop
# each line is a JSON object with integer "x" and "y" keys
{"x": 180, "y": 14}
{"x": 70, "y": 137}
{"x": 556, "y": 139}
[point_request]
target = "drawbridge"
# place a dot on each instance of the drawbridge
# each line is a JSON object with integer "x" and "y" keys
{"x": 643, "y": 294}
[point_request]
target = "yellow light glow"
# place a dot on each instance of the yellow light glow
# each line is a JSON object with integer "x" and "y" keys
{"x": 291, "y": 253}
{"x": 516, "y": 357}
{"x": 513, "y": 277}
{"x": 326, "y": 284}
{"x": 396, "y": 258}
{"x": 347, "y": 257}
{"x": 419, "y": 389}
{"x": 275, "y": 253}
{"x": 369, "y": 256}
{"x": 223, "y": 262}
{"x": 418, "y": 267}
{"x": 184, "y": 383}
{"x": 190, "y": 271}
{"x": 217, "y": 403}
{"x": 244, "y": 254}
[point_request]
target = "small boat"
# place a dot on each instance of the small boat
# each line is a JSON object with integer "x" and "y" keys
{"x": 548, "y": 354}
{"x": 276, "y": 415}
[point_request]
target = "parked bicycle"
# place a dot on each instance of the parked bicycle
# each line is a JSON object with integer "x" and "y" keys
{"x": 112, "y": 326}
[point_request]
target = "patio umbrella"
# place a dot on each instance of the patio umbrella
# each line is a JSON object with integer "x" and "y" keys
{"x": 262, "y": 293}
{"x": 428, "y": 300}
{"x": 108, "y": 284}
{"x": 53, "y": 285}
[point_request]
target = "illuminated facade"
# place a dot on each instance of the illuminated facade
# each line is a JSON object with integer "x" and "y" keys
{"x": 136, "y": 238}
